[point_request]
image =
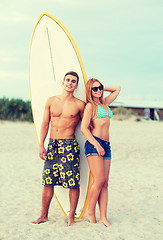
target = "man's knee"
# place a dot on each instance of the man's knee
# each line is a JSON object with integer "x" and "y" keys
{"x": 74, "y": 190}
{"x": 48, "y": 189}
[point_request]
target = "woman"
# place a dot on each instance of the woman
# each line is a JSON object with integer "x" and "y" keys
{"x": 95, "y": 128}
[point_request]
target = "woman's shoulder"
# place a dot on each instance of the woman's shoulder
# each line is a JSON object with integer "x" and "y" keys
{"x": 89, "y": 106}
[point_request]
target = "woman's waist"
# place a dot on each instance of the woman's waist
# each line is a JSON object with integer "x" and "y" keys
{"x": 102, "y": 134}
{"x": 101, "y": 123}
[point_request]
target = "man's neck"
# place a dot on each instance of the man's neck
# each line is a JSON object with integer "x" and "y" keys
{"x": 67, "y": 95}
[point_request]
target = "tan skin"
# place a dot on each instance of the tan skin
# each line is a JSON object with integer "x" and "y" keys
{"x": 99, "y": 167}
{"x": 63, "y": 114}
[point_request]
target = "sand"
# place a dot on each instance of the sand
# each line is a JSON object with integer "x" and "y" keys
{"x": 135, "y": 186}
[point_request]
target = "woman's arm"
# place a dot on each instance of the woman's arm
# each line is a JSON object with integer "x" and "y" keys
{"x": 115, "y": 90}
{"x": 86, "y": 130}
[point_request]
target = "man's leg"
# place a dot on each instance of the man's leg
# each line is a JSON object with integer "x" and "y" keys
{"x": 47, "y": 195}
{"x": 74, "y": 197}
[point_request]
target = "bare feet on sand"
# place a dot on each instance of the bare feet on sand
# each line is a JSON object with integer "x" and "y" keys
{"x": 40, "y": 220}
{"x": 70, "y": 221}
{"x": 91, "y": 217}
{"x": 105, "y": 222}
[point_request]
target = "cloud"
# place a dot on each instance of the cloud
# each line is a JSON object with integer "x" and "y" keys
{"x": 11, "y": 75}
{"x": 7, "y": 56}
{"x": 15, "y": 17}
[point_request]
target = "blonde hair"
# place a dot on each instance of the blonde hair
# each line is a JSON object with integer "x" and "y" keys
{"x": 89, "y": 97}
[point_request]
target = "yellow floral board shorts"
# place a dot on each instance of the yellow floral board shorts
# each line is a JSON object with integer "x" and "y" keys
{"x": 61, "y": 166}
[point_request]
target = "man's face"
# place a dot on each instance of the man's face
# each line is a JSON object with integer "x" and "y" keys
{"x": 70, "y": 83}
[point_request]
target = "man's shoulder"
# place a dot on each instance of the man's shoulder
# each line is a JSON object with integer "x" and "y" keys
{"x": 52, "y": 99}
{"x": 79, "y": 102}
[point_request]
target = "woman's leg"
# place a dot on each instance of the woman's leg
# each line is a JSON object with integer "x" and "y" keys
{"x": 103, "y": 197}
{"x": 96, "y": 165}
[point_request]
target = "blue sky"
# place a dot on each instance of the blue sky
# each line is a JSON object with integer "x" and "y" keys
{"x": 120, "y": 42}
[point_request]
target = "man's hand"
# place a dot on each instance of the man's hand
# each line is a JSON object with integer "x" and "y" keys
{"x": 42, "y": 152}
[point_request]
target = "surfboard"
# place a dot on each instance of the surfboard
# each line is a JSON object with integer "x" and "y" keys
{"x": 53, "y": 53}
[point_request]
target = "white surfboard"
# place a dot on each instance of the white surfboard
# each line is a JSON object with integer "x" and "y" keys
{"x": 53, "y": 52}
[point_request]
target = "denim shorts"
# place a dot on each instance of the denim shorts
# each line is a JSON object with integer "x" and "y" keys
{"x": 90, "y": 149}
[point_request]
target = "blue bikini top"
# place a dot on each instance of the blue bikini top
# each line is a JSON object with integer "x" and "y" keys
{"x": 101, "y": 112}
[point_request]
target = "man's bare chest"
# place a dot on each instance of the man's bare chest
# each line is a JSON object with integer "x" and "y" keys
{"x": 66, "y": 110}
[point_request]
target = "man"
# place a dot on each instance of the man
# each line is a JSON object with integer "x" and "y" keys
{"x": 61, "y": 166}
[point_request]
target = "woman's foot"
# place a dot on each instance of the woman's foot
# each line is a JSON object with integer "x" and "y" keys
{"x": 91, "y": 217}
{"x": 105, "y": 222}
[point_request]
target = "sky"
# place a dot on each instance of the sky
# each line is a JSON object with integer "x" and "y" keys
{"x": 120, "y": 42}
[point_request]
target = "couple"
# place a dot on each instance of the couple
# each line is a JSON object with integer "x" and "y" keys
{"x": 64, "y": 112}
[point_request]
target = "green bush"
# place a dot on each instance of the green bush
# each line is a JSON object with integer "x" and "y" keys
{"x": 15, "y": 109}
{"x": 122, "y": 113}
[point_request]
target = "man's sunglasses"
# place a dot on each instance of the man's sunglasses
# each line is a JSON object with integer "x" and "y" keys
{"x": 95, "y": 89}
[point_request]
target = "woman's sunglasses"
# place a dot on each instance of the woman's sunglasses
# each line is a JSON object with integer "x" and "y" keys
{"x": 95, "y": 89}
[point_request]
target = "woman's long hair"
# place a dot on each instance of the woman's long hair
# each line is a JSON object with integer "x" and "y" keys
{"x": 89, "y": 97}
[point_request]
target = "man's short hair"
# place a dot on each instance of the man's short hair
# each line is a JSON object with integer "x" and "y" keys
{"x": 73, "y": 74}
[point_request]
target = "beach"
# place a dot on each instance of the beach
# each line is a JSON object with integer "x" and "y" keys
{"x": 135, "y": 186}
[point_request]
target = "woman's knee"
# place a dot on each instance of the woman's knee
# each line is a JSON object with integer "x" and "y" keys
{"x": 105, "y": 185}
{"x": 99, "y": 181}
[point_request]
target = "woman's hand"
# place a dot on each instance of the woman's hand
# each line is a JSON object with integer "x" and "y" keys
{"x": 100, "y": 150}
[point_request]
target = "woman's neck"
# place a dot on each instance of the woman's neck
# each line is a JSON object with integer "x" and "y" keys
{"x": 96, "y": 100}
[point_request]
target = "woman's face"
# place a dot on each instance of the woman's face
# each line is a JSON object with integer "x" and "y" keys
{"x": 97, "y": 89}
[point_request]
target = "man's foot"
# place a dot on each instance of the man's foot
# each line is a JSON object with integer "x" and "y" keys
{"x": 105, "y": 222}
{"x": 70, "y": 221}
{"x": 91, "y": 217}
{"x": 40, "y": 220}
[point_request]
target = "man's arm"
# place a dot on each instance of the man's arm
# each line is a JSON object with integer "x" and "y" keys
{"x": 82, "y": 107}
{"x": 44, "y": 129}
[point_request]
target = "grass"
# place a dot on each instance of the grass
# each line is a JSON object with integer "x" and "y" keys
{"x": 15, "y": 109}
{"x": 122, "y": 113}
